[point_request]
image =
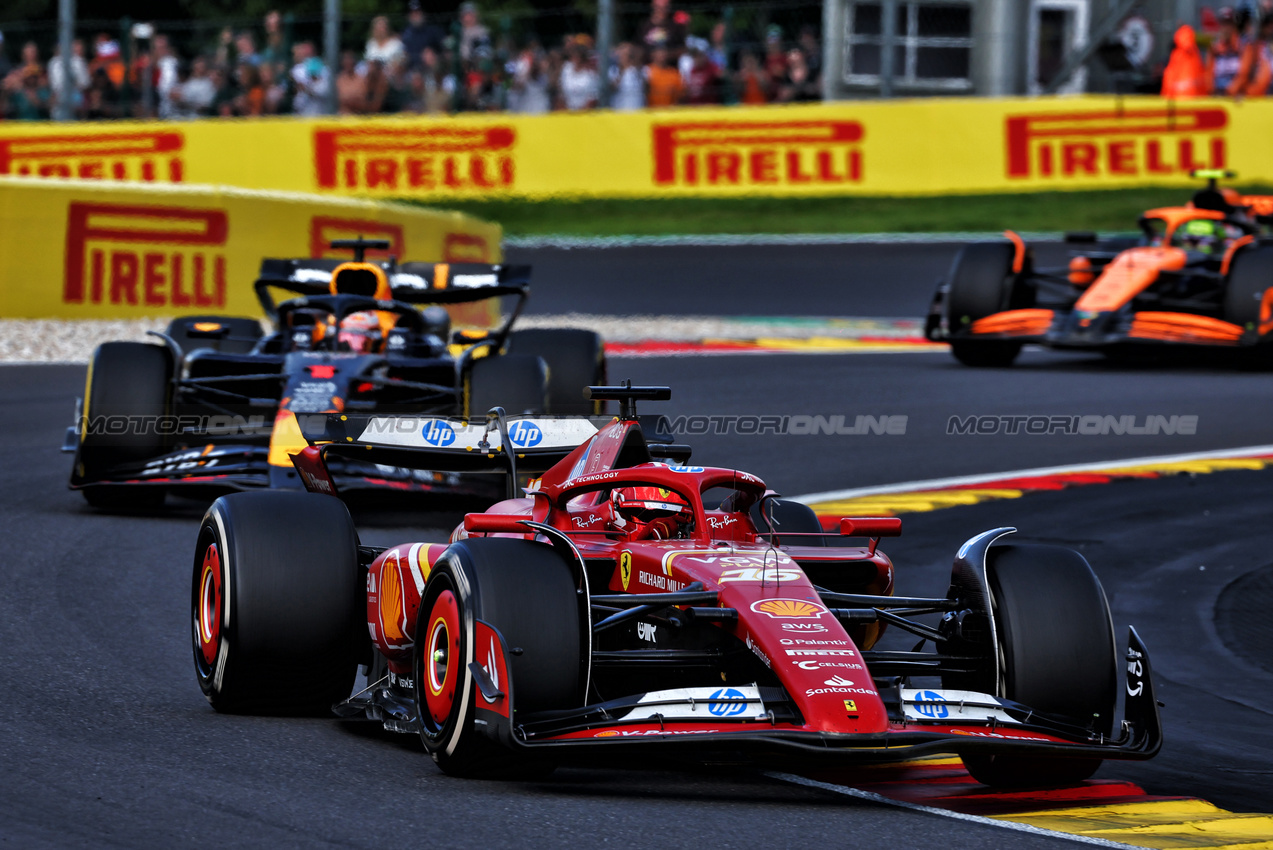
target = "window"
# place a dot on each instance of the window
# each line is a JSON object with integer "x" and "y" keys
{"x": 932, "y": 45}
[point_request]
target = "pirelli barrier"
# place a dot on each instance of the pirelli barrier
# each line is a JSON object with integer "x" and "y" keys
{"x": 97, "y": 248}
{"x": 928, "y": 146}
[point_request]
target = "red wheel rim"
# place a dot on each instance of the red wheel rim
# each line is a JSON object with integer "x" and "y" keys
{"x": 441, "y": 663}
{"x": 209, "y": 611}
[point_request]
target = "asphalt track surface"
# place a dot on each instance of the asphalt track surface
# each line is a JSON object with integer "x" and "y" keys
{"x": 106, "y": 740}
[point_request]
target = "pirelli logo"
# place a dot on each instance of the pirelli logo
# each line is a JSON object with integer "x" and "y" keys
{"x": 151, "y": 256}
{"x": 323, "y": 229}
{"x": 1125, "y": 143}
{"x": 397, "y": 160}
{"x": 151, "y": 156}
{"x": 739, "y": 153}
{"x": 465, "y": 248}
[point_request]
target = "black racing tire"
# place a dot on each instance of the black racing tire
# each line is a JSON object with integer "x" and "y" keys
{"x": 1058, "y": 655}
{"x": 277, "y": 604}
{"x": 575, "y": 358}
{"x": 125, "y": 379}
{"x": 241, "y": 337}
{"x": 982, "y": 283}
{"x": 527, "y": 593}
{"x": 516, "y": 382}
{"x": 789, "y": 517}
{"x": 1250, "y": 275}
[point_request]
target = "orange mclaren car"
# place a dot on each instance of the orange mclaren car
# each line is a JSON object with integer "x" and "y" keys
{"x": 1200, "y": 274}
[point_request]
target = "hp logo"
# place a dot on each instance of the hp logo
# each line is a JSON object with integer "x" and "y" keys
{"x": 437, "y": 433}
{"x": 727, "y": 702}
{"x": 525, "y": 434}
{"x": 931, "y": 704}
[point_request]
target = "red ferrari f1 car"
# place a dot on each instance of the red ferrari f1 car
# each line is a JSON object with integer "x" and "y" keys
{"x": 626, "y": 604}
{"x": 1200, "y": 275}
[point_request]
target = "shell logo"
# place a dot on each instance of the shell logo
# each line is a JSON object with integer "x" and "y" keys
{"x": 609, "y": 733}
{"x": 391, "y": 603}
{"x": 788, "y": 609}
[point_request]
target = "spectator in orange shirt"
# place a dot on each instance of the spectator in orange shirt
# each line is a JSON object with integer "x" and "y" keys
{"x": 1185, "y": 76}
{"x": 753, "y": 82}
{"x": 106, "y": 56}
{"x": 1255, "y": 76}
{"x": 666, "y": 86}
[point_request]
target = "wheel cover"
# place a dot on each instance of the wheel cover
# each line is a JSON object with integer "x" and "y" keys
{"x": 208, "y": 605}
{"x": 441, "y": 662}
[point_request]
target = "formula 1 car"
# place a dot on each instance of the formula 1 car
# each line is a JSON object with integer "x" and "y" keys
{"x": 629, "y": 605}
{"x": 1201, "y": 275}
{"x": 214, "y": 408}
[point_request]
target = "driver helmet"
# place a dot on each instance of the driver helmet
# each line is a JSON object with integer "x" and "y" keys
{"x": 361, "y": 333}
{"x": 1202, "y": 234}
{"x": 646, "y": 504}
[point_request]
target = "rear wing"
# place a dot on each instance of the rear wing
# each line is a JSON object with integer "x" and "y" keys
{"x": 413, "y": 283}
{"x": 509, "y": 445}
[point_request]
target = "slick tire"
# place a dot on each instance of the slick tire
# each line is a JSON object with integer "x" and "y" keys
{"x": 575, "y": 358}
{"x": 1057, "y": 655}
{"x": 125, "y": 379}
{"x": 1250, "y": 274}
{"x": 277, "y": 604}
{"x": 241, "y": 337}
{"x": 527, "y": 593}
{"x": 982, "y": 283}
{"x": 516, "y": 382}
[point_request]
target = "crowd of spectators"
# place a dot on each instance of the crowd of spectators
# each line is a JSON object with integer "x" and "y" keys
{"x": 1231, "y": 55}
{"x": 422, "y": 69}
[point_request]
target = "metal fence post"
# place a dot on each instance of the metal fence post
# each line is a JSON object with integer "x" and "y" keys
{"x": 605, "y": 34}
{"x": 331, "y": 49}
{"x": 65, "y": 35}
{"x": 888, "y": 31}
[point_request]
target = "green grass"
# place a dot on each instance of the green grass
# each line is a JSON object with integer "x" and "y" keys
{"x": 1045, "y": 211}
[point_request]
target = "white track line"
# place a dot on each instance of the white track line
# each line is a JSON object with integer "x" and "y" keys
{"x": 714, "y": 240}
{"x": 960, "y": 816}
{"x": 985, "y": 478}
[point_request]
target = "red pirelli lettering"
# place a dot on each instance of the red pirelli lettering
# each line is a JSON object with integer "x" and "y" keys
{"x": 737, "y": 152}
{"x": 394, "y": 159}
{"x": 147, "y": 156}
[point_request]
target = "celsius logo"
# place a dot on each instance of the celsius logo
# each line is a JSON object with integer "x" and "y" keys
{"x": 525, "y": 434}
{"x": 438, "y": 433}
{"x": 727, "y": 702}
{"x": 931, "y": 704}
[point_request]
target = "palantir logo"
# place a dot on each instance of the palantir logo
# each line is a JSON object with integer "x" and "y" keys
{"x": 438, "y": 433}
{"x": 525, "y": 434}
{"x": 727, "y": 702}
{"x": 931, "y": 704}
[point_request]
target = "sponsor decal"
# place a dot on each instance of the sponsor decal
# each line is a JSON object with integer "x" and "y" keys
{"x": 645, "y": 631}
{"x": 323, "y": 229}
{"x": 640, "y": 733}
{"x": 745, "y": 153}
{"x": 754, "y": 647}
{"x": 524, "y": 434}
{"x": 587, "y": 522}
{"x": 816, "y": 652}
{"x": 727, "y": 702}
{"x": 625, "y": 567}
{"x": 312, "y": 397}
{"x": 659, "y": 582}
{"x": 441, "y": 158}
{"x": 819, "y": 665}
{"x": 689, "y": 469}
{"x": 394, "y": 623}
{"x": 316, "y": 484}
{"x": 838, "y": 685}
{"x": 1125, "y": 143}
{"x": 721, "y": 521}
{"x": 404, "y": 682}
{"x": 492, "y": 670}
{"x": 1135, "y": 673}
{"x": 149, "y": 156}
{"x": 931, "y": 704}
{"x": 812, "y": 642}
{"x": 435, "y": 432}
{"x": 145, "y": 255}
{"x": 789, "y": 609}
{"x": 803, "y": 627}
{"x": 851, "y": 706}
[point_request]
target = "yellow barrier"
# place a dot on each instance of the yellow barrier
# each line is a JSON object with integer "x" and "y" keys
{"x": 936, "y": 146}
{"x": 89, "y": 249}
